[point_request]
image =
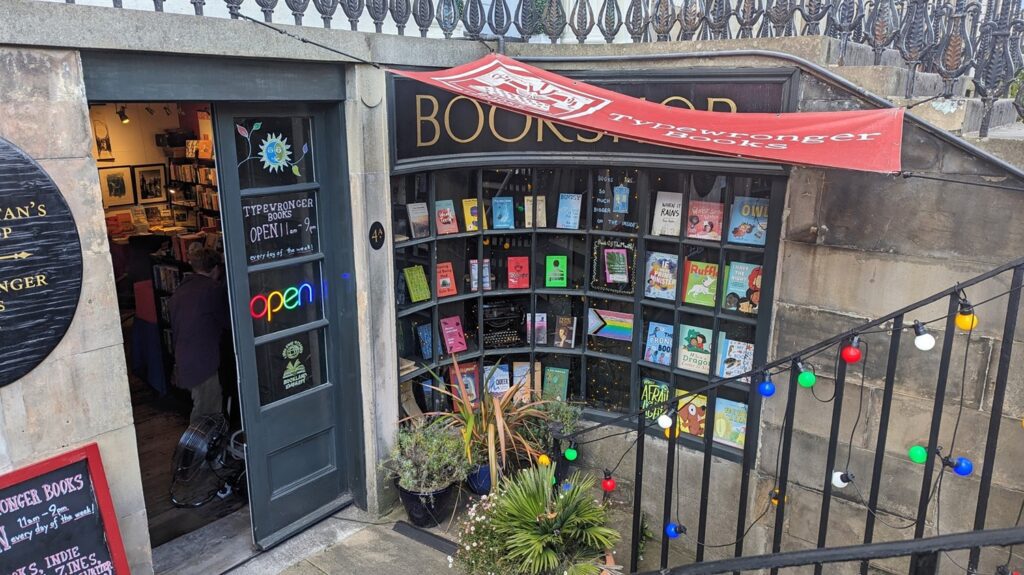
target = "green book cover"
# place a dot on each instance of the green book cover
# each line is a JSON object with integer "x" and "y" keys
{"x": 556, "y": 271}
{"x": 416, "y": 281}
{"x": 556, "y": 382}
{"x": 701, "y": 283}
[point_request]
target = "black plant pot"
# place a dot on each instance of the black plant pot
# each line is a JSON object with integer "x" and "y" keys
{"x": 428, "y": 509}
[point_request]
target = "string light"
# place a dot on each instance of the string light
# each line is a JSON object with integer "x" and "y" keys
{"x": 674, "y": 530}
{"x": 766, "y": 388}
{"x": 544, "y": 460}
{"x": 963, "y": 466}
{"x": 608, "y": 483}
{"x": 665, "y": 421}
{"x": 570, "y": 452}
{"x": 851, "y": 353}
{"x": 668, "y": 433}
{"x": 841, "y": 479}
{"x": 923, "y": 341}
{"x": 807, "y": 378}
{"x": 918, "y": 454}
{"x": 965, "y": 318}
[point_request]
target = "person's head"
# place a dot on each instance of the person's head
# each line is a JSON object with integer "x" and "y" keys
{"x": 202, "y": 259}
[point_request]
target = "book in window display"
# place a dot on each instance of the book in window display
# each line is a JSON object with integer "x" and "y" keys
{"x": 612, "y": 265}
{"x": 658, "y": 348}
{"x": 569, "y": 211}
{"x": 537, "y": 328}
{"x": 518, "y": 272}
{"x": 556, "y": 272}
{"x": 419, "y": 220}
{"x": 416, "y": 282}
{"x": 451, "y": 332}
{"x": 426, "y": 336}
{"x": 470, "y": 381}
{"x": 565, "y": 331}
{"x": 498, "y": 379}
{"x": 541, "y": 210}
{"x": 748, "y": 221}
{"x": 653, "y": 398}
{"x": 704, "y": 220}
{"x": 522, "y": 378}
{"x": 610, "y": 324}
{"x": 503, "y": 213}
{"x": 701, "y": 283}
{"x": 730, "y": 423}
{"x": 471, "y": 214}
{"x": 556, "y": 382}
{"x": 661, "y": 273}
{"x": 735, "y": 357}
{"x": 668, "y": 214}
{"x": 692, "y": 413}
{"x": 475, "y": 279}
{"x": 616, "y": 270}
{"x": 694, "y": 351}
{"x": 445, "y": 219}
{"x": 446, "y": 280}
{"x": 743, "y": 288}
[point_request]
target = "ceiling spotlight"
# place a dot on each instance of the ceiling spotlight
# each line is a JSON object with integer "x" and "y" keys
{"x": 123, "y": 114}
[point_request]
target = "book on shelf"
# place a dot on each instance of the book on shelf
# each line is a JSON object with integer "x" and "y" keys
{"x": 748, "y": 221}
{"x": 471, "y": 214}
{"x": 616, "y": 266}
{"x": 653, "y": 398}
{"x": 497, "y": 378}
{"x": 694, "y": 349}
{"x": 419, "y": 220}
{"x": 735, "y": 357}
{"x": 568, "y": 217}
{"x": 700, "y": 282}
{"x": 704, "y": 220}
{"x": 542, "y": 211}
{"x": 446, "y": 280}
{"x": 204, "y": 149}
{"x": 503, "y": 213}
{"x": 556, "y": 272}
{"x": 730, "y": 422}
{"x": 565, "y": 331}
{"x": 661, "y": 272}
{"x": 416, "y": 283}
{"x": 537, "y": 328}
{"x": 470, "y": 373}
{"x": 166, "y": 277}
{"x": 406, "y": 366}
{"x": 444, "y": 217}
{"x": 658, "y": 348}
{"x": 522, "y": 377}
{"x": 556, "y": 382}
{"x": 518, "y": 272}
{"x": 668, "y": 213}
{"x": 475, "y": 279}
{"x": 451, "y": 332}
{"x": 693, "y": 410}
{"x": 620, "y": 199}
{"x": 425, "y": 333}
{"x": 742, "y": 288}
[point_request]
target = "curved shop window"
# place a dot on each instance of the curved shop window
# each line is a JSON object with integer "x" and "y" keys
{"x": 613, "y": 287}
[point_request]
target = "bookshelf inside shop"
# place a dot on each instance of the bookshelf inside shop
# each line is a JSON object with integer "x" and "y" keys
{"x": 612, "y": 287}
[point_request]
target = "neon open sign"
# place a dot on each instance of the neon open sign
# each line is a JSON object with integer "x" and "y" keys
{"x": 265, "y": 306}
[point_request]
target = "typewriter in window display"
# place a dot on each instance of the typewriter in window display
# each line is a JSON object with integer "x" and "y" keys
{"x": 503, "y": 321}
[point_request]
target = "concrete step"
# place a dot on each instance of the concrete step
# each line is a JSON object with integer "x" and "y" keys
{"x": 960, "y": 115}
{"x": 1005, "y": 142}
{"x": 891, "y": 81}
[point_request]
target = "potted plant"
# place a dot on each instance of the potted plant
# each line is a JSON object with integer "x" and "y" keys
{"x": 427, "y": 461}
{"x": 528, "y": 527}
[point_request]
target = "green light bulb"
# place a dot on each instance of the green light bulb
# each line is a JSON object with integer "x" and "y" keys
{"x": 571, "y": 454}
{"x": 918, "y": 454}
{"x": 806, "y": 379}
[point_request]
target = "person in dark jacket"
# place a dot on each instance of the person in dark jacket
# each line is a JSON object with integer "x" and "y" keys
{"x": 199, "y": 318}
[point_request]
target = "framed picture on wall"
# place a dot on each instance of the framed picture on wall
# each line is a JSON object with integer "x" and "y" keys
{"x": 117, "y": 186}
{"x": 151, "y": 183}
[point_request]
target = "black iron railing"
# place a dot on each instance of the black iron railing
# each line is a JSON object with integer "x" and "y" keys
{"x": 932, "y": 456}
{"x": 955, "y": 39}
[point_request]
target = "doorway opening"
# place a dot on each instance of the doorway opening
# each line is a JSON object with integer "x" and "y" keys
{"x": 158, "y": 179}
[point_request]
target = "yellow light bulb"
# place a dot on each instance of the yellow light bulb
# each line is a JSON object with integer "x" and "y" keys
{"x": 966, "y": 321}
{"x": 544, "y": 460}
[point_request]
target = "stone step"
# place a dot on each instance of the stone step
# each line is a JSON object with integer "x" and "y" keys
{"x": 1005, "y": 142}
{"x": 960, "y": 115}
{"x": 891, "y": 81}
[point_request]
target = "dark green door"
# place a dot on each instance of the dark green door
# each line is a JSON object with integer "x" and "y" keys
{"x": 286, "y": 232}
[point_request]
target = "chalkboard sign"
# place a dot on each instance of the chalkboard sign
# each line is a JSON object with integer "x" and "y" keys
{"x": 40, "y": 264}
{"x": 57, "y": 518}
{"x": 280, "y": 226}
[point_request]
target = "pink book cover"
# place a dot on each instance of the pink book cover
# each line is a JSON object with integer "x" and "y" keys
{"x": 451, "y": 331}
{"x": 704, "y": 220}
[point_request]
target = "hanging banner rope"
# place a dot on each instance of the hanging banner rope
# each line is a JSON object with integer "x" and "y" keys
{"x": 865, "y": 140}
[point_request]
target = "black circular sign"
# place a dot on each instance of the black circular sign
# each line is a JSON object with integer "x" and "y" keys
{"x": 377, "y": 235}
{"x": 40, "y": 264}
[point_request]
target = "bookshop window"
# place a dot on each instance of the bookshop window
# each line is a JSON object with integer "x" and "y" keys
{"x": 613, "y": 287}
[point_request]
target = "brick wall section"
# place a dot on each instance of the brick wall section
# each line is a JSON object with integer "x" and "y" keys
{"x": 79, "y": 394}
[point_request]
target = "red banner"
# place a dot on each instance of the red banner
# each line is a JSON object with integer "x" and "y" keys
{"x": 866, "y": 140}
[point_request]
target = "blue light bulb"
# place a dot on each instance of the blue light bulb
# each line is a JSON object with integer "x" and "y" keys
{"x": 766, "y": 388}
{"x": 672, "y": 531}
{"x": 963, "y": 466}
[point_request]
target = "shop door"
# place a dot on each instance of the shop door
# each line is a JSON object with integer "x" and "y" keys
{"x": 282, "y": 177}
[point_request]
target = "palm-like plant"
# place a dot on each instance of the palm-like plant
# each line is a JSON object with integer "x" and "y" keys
{"x": 547, "y": 532}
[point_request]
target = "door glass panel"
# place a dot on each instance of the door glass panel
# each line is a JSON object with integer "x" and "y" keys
{"x": 286, "y": 297}
{"x": 291, "y": 365}
{"x": 273, "y": 151}
{"x": 280, "y": 226}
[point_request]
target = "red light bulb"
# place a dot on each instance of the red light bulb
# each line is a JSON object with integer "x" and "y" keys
{"x": 608, "y": 483}
{"x": 851, "y": 353}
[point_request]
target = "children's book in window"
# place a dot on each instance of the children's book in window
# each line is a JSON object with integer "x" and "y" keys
{"x": 735, "y": 357}
{"x": 658, "y": 348}
{"x": 743, "y": 288}
{"x": 704, "y": 220}
{"x": 730, "y": 422}
{"x": 701, "y": 283}
{"x": 694, "y": 351}
{"x": 661, "y": 273}
{"x": 445, "y": 219}
{"x": 668, "y": 213}
{"x": 748, "y": 221}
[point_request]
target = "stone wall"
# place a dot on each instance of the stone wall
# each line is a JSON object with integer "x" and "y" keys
{"x": 79, "y": 394}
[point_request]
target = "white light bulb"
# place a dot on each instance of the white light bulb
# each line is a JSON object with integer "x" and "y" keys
{"x": 924, "y": 342}
{"x": 841, "y": 479}
{"x": 664, "y": 421}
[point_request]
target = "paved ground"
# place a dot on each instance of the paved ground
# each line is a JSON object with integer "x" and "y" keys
{"x": 373, "y": 550}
